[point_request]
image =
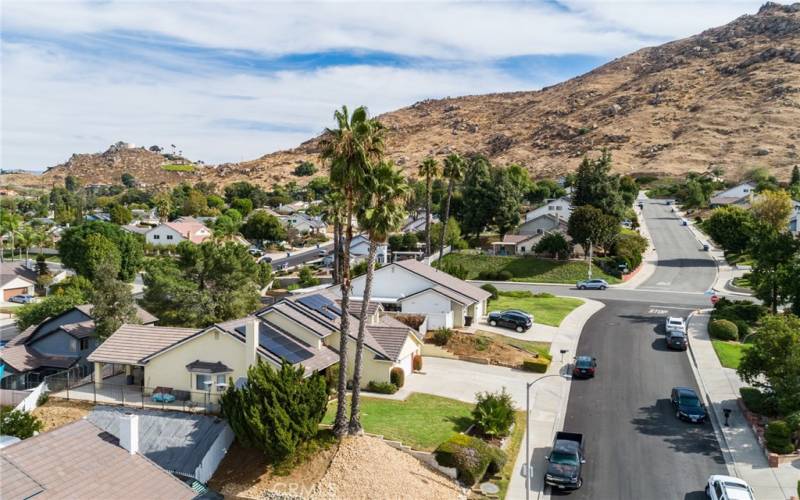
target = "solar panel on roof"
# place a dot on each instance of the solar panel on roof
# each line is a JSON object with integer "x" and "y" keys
{"x": 321, "y": 304}
{"x": 282, "y": 346}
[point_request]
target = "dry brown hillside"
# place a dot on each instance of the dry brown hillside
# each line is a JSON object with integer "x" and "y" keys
{"x": 727, "y": 97}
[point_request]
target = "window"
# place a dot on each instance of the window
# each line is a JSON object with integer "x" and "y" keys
{"x": 221, "y": 380}
{"x": 169, "y": 236}
{"x": 559, "y": 207}
{"x": 200, "y": 382}
{"x": 84, "y": 344}
{"x": 156, "y": 236}
{"x": 522, "y": 249}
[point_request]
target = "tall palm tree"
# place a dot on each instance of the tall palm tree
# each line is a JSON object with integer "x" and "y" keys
{"x": 429, "y": 169}
{"x": 332, "y": 213}
{"x": 351, "y": 149}
{"x": 453, "y": 171}
{"x": 26, "y": 237}
{"x": 382, "y": 212}
{"x": 9, "y": 224}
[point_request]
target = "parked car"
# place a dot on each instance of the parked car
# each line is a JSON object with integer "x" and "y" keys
{"x": 593, "y": 284}
{"x": 676, "y": 340}
{"x": 565, "y": 461}
{"x": 728, "y": 488}
{"x": 322, "y": 252}
{"x": 255, "y": 251}
{"x": 675, "y": 324}
{"x": 585, "y": 367}
{"x": 516, "y": 320}
{"x": 22, "y": 299}
{"x": 687, "y": 405}
{"x": 266, "y": 259}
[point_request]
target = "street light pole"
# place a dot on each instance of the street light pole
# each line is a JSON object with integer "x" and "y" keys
{"x": 590, "y": 259}
{"x": 528, "y": 467}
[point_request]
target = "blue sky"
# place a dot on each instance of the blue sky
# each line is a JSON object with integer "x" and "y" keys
{"x": 231, "y": 81}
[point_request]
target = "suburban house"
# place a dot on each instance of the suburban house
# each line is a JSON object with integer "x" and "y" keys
{"x": 359, "y": 248}
{"x": 304, "y": 223}
{"x": 516, "y": 244}
{"x": 97, "y": 216}
{"x": 16, "y": 279}
{"x": 737, "y": 195}
{"x": 82, "y": 460}
{"x": 560, "y": 207}
{"x": 197, "y": 364}
{"x": 145, "y": 217}
{"x": 543, "y": 223}
{"x": 181, "y": 229}
{"x": 55, "y": 344}
{"x": 292, "y": 207}
{"x": 412, "y": 286}
{"x": 416, "y": 223}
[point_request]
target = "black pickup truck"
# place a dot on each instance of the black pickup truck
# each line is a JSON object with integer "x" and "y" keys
{"x": 565, "y": 461}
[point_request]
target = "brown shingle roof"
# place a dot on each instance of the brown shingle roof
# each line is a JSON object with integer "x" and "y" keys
{"x": 79, "y": 460}
{"x": 391, "y": 338}
{"x": 23, "y": 358}
{"x": 131, "y": 344}
{"x": 142, "y": 315}
{"x": 11, "y": 270}
{"x": 444, "y": 279}
{"x": 355, "y": 306}
{"x": 80, "y": 330}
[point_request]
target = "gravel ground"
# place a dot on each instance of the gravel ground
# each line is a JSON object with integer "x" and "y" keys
{"x": 58, "y": 412}
{"x": 366, "y": 467}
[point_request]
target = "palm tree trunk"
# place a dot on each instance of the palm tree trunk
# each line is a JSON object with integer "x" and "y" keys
{"x": 336, "y": 244}
{"x": 340, "y": 424}
{"x": 355, "y": 401}
{"x": 428, "y": 218}
{"x": 446, "y": 217}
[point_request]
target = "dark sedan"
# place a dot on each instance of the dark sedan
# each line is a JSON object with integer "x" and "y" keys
{"x": 516, "y": 320}
{"x": 676, "y": 340}
{"x": 687, "y": 405}
{"x": 585, "y": 366}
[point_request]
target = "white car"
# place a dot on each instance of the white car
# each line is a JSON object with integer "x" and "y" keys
{"x": 728, "y": 488}
{"x": 675, "y": 324}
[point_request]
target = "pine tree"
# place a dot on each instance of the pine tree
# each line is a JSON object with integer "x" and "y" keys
{"x": 795, "y": 180}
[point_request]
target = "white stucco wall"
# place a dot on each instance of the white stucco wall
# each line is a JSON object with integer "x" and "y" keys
{"x": 163, "y": 232}
{"x": 373, "y": 369}
{"x": 391, "y": 281}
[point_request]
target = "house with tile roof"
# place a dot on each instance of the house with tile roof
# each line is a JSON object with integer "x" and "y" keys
{"x": 55, "y": 344}
{"x": 16, "y": 279}
{"x": 414, "y": 287}
{"x": 181, "y": 229}
{"x": 304, "y": 223}
{"x": 559, "y": 207}
{"x": 303, "y": 330}
{"x": 740, "y": 195}
{"x": 517, "y": 244}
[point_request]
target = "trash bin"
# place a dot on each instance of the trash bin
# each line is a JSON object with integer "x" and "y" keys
{"x": 129, "y": 380}
{"x": 467, "y": 320}
{"x": 706, "y": 247}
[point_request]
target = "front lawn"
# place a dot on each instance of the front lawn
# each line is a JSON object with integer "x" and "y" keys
{"x": 546, "y": 310}
{"x": 527, "y": 269}
{"x": 422, "y": 421}
{"x": 729, "y": 353}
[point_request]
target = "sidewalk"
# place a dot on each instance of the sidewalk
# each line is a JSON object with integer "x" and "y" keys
{"x": 549, "y": 403}
{"x": 650, "y": 257}
{"x": 741, "y": 450}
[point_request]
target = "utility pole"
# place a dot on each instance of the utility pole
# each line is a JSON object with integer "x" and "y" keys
{"x": 590, "y": 259}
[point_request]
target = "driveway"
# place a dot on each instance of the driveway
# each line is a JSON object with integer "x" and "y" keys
{"x": 539, "y": 333}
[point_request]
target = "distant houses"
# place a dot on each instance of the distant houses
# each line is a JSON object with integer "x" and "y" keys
{"x": 740, "y": 195}
{"x": 181, "y": 229}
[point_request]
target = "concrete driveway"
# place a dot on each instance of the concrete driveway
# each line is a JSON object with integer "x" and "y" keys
{"x": 538, "y": 332}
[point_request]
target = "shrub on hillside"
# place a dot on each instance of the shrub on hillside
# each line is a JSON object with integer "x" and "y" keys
{"x": 381, "y": 387}
{"x": 491, "y": 289}
{"x": 471, "y": 457}
{"x": 442, "y": 336}
{"x": 723, "y": 329}
{"x": 744, "y": 310}
{"x": 495, "y": 275}
{"x": 397, "y": 377}
{"x": 493, "y": 413}
{"x": 779, "y": 437}
{"x": 18, "y": 423}
{"x": 456, "y": 270}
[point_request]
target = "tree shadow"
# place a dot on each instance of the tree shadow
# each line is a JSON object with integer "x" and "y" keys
{"x": 695, "y": 495}
{"x": 684, "y": 262}
{"x": 461, "y": 423}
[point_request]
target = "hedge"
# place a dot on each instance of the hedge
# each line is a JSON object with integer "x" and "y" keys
{"x": 417, "y": 362}
{"x": 442, "y": 336}
{"x": 537, "y": 365}
{"x": 758, "y": 402}
{"x": 495, "y": 275}
{"x": 471, "y": 457}
{"x": 381, "y": 387}
{"x": 397, "y": 376}
{"x": 723, "y": 329}
{"x": 491, "y": 289}
{"x": 779, "y": 437}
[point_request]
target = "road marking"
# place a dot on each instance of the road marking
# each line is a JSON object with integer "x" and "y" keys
{"x": 664, "y": 283}
{"x": 657, "y": 311}
{"x": 671, "y": 307}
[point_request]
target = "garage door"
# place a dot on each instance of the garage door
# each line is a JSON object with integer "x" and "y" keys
{"x": 407, "y": 364}
{"x": 7, "y": 294}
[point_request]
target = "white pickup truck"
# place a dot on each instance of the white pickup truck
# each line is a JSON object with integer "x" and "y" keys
{"x": 675, "y": 324}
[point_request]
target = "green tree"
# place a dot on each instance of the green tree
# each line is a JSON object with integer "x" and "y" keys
{"x": 773, "y": 208}
{"x": 225, "y": 226}
{"x": 128, "y": 180}
{"x": 595, "y": 186}
{"x": 276, "y": 411}
{"x": 381, "y": 212}
{"x": 795, "y": 178}
{"x": 728, "y": 227}
{"x": 120, "y": 214}
{"x": 319, "y": 187}
{"x": 75, "y": 252}
{"x": 351, "y": 149}
{"x": 71, "y": 183}
{"x": 243, "y": 205}
{"x": 554, "y": 244}
{"x": 477, "y": 209}
{"x": 505, "y": 201}
{"x": 102, "y": 255}
{"x": 112, "y": 302}
{"x": 195, "y": 203}
{"x": 261, "y": 226}
{"x": 453, "y": 171}
{"x": 588, "y": 223}
{"x": 64, "y": 296}
{"x": 429, "y": 170}
{"x": 163, "y": 205}
{"x": 244, "y": 189}
{"x": 452, "y": 234}
{"x": 305, "y": 169}
{"x": 773, "y": 360}
{"x": 215, "y": 201}
{"x": 307, "y": 278}
{"x": 775, "y": 254}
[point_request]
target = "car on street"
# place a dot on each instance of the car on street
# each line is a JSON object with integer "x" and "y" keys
{"x": 675, "y": 324}
{"x": 22, "y": 299}
{"x": 255, "y": 251}
{"x": 565, "y": 462}
{"x": 593, "y": 284}
{"x": 584, "y": 367}
{"x": 676, "y": 340}
{"x": 516, "y": 320}
{"x": 322, "y": 252}
{"x": 728, "y": 488}
{"x": 687, "y": 405}
{"x": 266, "y": 259}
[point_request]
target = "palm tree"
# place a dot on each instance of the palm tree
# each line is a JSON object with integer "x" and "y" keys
{"x": 332, "y": 212}
{"x": 9, "y": 224}
{"x": 453, "y": 171}
{"x": 382, "y": 212}
{"x": 26, "y": 236}
{"x": 351, "y": 149}
{"x": 429, "y": 169}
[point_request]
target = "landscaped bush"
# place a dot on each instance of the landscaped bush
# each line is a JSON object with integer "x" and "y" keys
{"x": 442, "y": 336}
{"x": 470, "y": 456}
{"x": 741, "y": 328}
{"x": 456, "y": 270}
{"x": 491, "y": 289}
{"x": 493, "y": 413}
{"x": 723, "y": 329}
{"x": 537, "y": 365}
{"x": 381, "y": 387}
{"x": 397, "y": 376}
{"x": 743, "y": 310}
{"x": 758, "y": 402}
{"x": 19, "y": 423}
{"x": 495, "y": 275}
{"x": 779, "y": 437}
{"x": 543, "y": 295}
{"x": 417, "y": 362}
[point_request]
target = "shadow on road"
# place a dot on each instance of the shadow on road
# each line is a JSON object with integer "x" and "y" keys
{"x": 695, "y": 495}
{"x": 687, "y": 262}
{"x": 660, "y": 344}
{"x": 659, "y": 420}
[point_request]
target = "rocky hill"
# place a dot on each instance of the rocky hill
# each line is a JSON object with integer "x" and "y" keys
{"x": 728, "y": 97}
{"x": 148, "y": 167}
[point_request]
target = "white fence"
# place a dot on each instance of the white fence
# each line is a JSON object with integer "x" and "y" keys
{"x": 433, "y": 258}
{"x": 214, "y": 456}
{"x": 22, "y": 400}
{"x": 32, "y": 401}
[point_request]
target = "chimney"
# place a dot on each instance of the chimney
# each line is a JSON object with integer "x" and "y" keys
{"x": 251, "y": 341}
{"x": 129, "y": 432}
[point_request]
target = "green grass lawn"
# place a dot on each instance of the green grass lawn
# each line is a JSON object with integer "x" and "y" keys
{"x": 527, "y": 268}
{"x": 729, "y": 353}
{"x": 546, "y": 310}
{"x": 532, "y": 346}
{"x": 421, "y": 421}
{"x": 177, "y": 167}
{"x": 743, "y": 281}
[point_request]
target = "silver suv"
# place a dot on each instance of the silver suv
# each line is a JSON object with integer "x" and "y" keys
{"x": 675, "y": 324}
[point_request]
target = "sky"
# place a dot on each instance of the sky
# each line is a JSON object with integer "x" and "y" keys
{"x": 227, "y": 81}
